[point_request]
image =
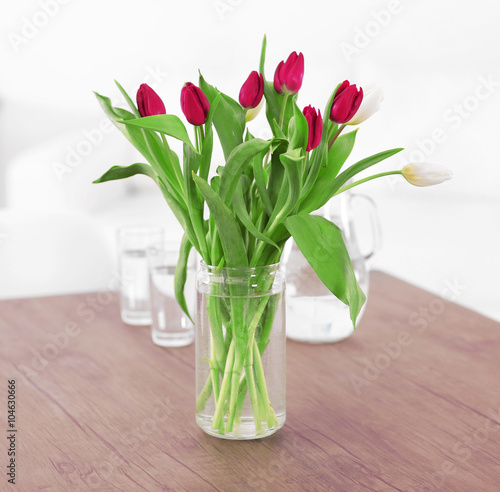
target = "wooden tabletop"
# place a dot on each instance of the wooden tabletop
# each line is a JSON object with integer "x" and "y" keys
{"x": 411, "y": 401}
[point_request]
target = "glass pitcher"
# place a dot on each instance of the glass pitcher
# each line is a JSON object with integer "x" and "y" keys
{"x": 313, "y": 313}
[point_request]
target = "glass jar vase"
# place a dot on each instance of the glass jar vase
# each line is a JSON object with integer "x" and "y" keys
{"x": 240, "y": 351}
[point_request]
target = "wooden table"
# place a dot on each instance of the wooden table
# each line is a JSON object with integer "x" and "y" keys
{"x": 411, "y": 401}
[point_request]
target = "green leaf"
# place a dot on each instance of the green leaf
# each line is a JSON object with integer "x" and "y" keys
{"x": 274, "y": 103}
{"x": 261, "y": 182}
{"x": 236, "y": 164}
{"x": 242, "y": 214}
{"x": 322, "y": 244}
{"x": 319, "y": 155}
{"x": 227, "y": 226}
{"x": 298, "y": 130}
{"x": 135, "y": 136}
{"x": 229, "y": 118}
{"x": 337, "y": 156}
{"x": 181, "y": 274}
{"x": 288, "y": 198}
{"x": 192, "y": 161}
{"x": 131, "y": 104}
{"x": 262, "y": 61}
{"x": 208, "y": 141}
{"x": 122, "y": 172}
{"x": 168, "y": 124}
{"x": 180, "y": 212}
{"x": 114, "y": 114}
{"x": 276, "y": 173}
{"x": 359, "y": 167}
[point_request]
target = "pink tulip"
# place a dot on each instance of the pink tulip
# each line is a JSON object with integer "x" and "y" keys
{"x": 252, "y": 90}
{"x": 194, "y": 104}
{"x": 149, "y": 102}
{"x": 315, "y": 123}
{"x": 288, "y": 76}
{"x": 346, "y": 102}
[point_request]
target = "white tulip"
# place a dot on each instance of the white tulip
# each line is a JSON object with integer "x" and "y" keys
{"x": 372, "y": 97}
{"x": 253, "y": 112}
{"x": 425, "y": 173}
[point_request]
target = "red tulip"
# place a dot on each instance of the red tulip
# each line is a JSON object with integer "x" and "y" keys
{"x": 252, "y": 90}
{"x": 315, "y": 123}
{"x": 346, "y": 102}
{"x": 194, "y": 104}
{"x": 149, "y": 102}
{"x": 288, "y": 76}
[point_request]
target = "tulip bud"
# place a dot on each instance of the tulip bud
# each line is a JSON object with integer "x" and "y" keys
{"x": 315, "y": 124}
{"x": 372, "y": 97}
{"x": 149, "y": 102}
{"x": 425, "y": 174}
{"x": 194, "y": 104}
{"x": 346, "y": 102}
{"x": 288, "y": 76}
{"x": 252, "y": 90}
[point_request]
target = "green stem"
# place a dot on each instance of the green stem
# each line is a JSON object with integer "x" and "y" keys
{"x": 200, "y": 137}
{"x": 203, "y": 397}
{"x": 283, "y": 110}
{"x": 214, "y": 317}
{"x": 197, "y": 137}
{"x": 215, "y": 371}
{"x": 261, "y": 383}
{"x": 239, "y": 357}
{"x": 252, "y": 389}
{"x": 364, "y": 180}
{"x": 218, "y": 420}
{"x": 337, "y": 133}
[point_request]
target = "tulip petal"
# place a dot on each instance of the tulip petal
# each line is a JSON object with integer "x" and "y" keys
{"x": 372, "y": 98}
{"x": 278, "y": 78}
{"x": 425, "y": 173}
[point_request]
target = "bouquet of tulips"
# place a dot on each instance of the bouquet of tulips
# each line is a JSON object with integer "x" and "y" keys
{"x": 263, "y": 194}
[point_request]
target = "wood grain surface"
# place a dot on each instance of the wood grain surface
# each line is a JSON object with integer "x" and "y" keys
{"x": 410, "y": 402}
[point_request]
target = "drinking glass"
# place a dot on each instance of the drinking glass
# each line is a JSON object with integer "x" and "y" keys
{"x": 170, "y": 327}
{"x": 133, "y": 242}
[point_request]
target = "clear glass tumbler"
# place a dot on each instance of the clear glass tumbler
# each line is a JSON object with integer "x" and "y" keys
{"x": 170, "y": 327}
{"x": 133, "y": 243}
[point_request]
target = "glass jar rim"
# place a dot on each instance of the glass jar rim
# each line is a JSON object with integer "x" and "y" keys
{"x": 211, "y": 269}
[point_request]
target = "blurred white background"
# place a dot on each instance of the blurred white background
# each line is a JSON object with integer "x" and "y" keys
{"x": 437, "y": 61}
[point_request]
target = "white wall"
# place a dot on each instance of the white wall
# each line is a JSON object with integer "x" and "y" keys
{"x": 438, "y": 63}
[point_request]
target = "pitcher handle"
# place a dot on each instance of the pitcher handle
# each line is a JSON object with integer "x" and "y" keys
{"x": 375, "y": 224}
